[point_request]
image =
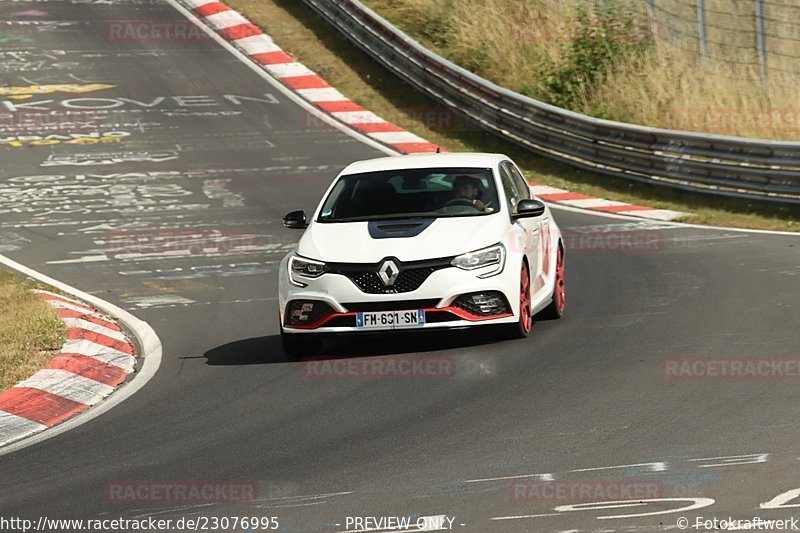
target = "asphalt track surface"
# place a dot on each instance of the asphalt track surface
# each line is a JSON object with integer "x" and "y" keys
{"x": 180, "y": 224}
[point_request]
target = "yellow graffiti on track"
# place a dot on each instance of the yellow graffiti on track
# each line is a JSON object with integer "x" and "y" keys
{"x": 18, "y": 92}
{"x": 75, "y": 138}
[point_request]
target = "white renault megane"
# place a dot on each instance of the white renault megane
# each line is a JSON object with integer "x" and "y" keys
{"x": 421, "y": 242}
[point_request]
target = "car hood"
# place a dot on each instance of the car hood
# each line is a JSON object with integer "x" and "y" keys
{"x": 356, "y": 242}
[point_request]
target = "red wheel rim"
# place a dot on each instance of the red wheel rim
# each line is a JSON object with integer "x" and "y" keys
{"x": 525, "y": 317}
{"x": 560, "y": 292}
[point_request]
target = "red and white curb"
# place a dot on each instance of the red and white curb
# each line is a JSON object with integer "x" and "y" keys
{"x": 95, "y": 359}
{"x": 573, "y": 199}
{"x": 262, "y": 50}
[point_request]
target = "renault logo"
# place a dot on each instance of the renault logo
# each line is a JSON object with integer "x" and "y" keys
{"x": 388, "y": 272}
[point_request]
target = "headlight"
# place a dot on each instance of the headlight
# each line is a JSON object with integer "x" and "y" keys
{"x": 300, "y": 267}
{"x": 493, "y": 255}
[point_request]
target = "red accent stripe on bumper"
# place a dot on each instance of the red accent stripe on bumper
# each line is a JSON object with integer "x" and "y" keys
{"x": 457, "y": 312}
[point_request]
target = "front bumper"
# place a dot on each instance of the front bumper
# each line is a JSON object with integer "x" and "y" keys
{"x": 438, "y": 296}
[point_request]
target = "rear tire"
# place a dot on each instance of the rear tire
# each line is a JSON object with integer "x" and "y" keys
{"x": 522, "y": 328}
{"x": 556, "y": 307}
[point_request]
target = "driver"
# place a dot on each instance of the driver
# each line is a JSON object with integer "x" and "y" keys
{"x": 467, "y": 188}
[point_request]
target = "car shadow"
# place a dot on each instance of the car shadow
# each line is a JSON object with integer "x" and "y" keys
{"x": 254, "y": 351}
{"x": 268, "y": 349}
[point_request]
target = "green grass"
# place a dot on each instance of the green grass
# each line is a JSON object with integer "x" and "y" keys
{"x": 30, "y": 330}
{"x": 302, "y": 34}
{"x": 601, "y": 56}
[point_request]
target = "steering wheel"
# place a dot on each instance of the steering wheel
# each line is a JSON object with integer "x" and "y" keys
{"x": 459, "y": 201}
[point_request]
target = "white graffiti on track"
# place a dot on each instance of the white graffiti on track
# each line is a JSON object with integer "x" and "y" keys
{"x": 108, "y": 158}
{"x": 42, "y": 25}
{"x": 158, "y": 102}
{"x": 161, "y": 300}
{"x": 138, "y": 245}
{"x": 265, "y": 174}
{"x": 41, "y": 125}
{"x": 47, "y": 195}
{"x": 217, "y": 189}
{"x": 118, "y": 177}
{"x": 29, "y": 13}
{"x": 93, "y": 2}
{"x": 120, "y": 53}
{"x": 11, "y": 242}
{"x": 144, "y": 246}
{"x": 176, "y": 222}
{"x": 15, "y": 40}
{"x": 206, "y": 271}
{"x": 15, "y": 65}
{"x": 187, "y": 113}
{"x": 32, "y": 55}
{"x": 58, "y": 55}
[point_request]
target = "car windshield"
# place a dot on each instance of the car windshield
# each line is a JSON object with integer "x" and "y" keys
{"x": 411, "y": 193}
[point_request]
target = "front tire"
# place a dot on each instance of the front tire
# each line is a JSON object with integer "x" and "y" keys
{"x": 556, "y": 307}
{"x": 299, "y": 345}
{"x": 522, "y": 328}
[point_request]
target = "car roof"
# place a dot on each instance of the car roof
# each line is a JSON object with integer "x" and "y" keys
{"x": 444, "y": 160}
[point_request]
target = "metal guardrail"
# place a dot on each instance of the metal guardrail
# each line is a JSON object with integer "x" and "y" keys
{"x": 716, "y": 164}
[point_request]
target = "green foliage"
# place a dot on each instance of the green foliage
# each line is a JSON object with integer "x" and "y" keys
{"x": 434, "y": 24}
{"x": 604, "y": 36}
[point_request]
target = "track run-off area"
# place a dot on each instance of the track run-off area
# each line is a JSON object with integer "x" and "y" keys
{"x": 152, "y": 169}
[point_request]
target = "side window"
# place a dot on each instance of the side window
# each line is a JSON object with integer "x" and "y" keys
{"x": 511, "y": 193}
{"x": 333, "y": 199}
{"x": 522, "y": 185}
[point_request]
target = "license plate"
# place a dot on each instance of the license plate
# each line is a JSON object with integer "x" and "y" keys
{"x": 391, "y": 319}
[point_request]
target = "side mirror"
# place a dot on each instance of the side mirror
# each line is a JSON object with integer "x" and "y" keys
{"x": 529, "y": 209}
{"x": 295, "y": 220}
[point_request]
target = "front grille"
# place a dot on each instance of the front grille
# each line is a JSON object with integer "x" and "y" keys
{"x": 407, "y": 281}
{"x": 399, "y": 305}
{"x": 410, "y": 277}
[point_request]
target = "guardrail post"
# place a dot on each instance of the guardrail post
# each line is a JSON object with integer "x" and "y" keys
{"x": 651, "y": 16}
{"x": 701, "y": 31}
{"x": 761, "y": 41}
